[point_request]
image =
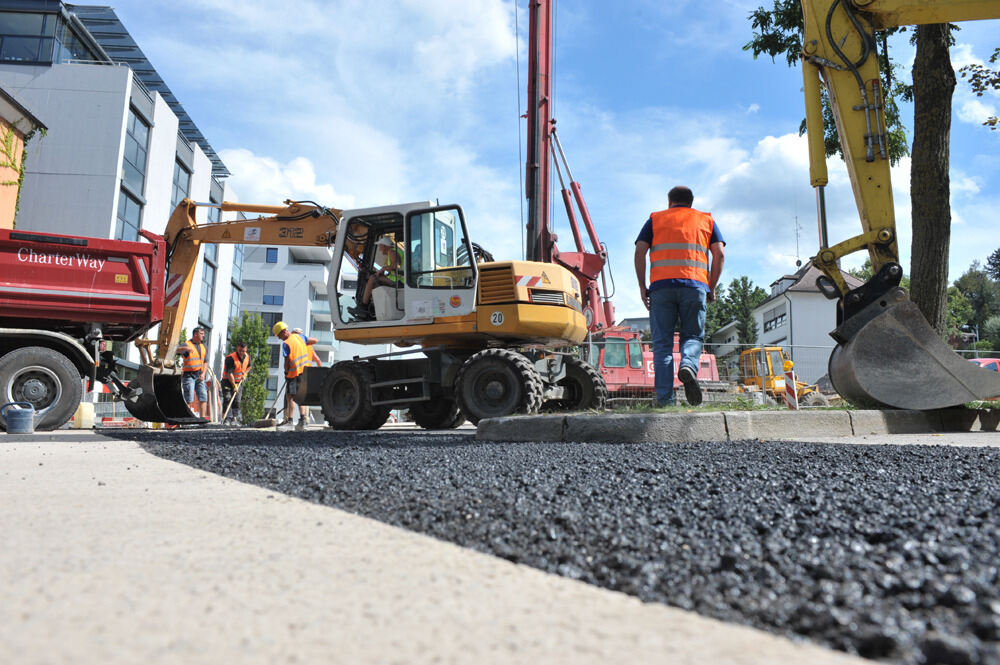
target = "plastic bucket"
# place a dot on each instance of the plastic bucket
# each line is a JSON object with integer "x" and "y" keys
{"x": 19, "y": 421}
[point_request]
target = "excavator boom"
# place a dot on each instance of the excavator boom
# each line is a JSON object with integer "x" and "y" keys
{"x": 887, "y": 353}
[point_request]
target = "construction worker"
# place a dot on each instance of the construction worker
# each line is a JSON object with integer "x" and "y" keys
{"x": 680, "y": 242}
{"x": 193, "y": 378}
{"x": 235, "y": 371}
{"x": 313, "y": 356}
{"x": 295, "y": 350}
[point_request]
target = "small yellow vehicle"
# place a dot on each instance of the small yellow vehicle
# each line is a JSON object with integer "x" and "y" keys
{"x": 763, "y": 369}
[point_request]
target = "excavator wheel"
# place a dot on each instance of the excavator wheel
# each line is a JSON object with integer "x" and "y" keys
{"x": 815, "y": 399}
{"x": 441, "y": 413}
{"x": 584, "y": 388}
{"x": 498, "y": 382}
{"x": 346, "y": 398}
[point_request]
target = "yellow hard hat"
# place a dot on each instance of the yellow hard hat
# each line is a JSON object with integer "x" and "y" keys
{"x": 278, "y": 327}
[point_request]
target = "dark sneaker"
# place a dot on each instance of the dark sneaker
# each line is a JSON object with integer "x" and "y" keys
{"x": 692, "y": 391}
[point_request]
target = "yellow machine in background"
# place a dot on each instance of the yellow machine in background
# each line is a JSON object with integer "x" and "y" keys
{"x": 763, "y": 369}
{"x": 485, "y": 329}
{"x": 887, "y": 354}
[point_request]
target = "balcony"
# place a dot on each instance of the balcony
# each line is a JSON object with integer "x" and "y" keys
{"x": 323, "y": 337}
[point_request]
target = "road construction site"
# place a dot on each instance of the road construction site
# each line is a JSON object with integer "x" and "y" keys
{"x": 411, "y": 546}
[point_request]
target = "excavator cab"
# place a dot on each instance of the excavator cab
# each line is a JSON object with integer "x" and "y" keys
{"x": 414, "y": 264}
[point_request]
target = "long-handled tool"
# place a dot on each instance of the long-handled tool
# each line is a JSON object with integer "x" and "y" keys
{"x": 270, "y": 420}
{"x": 231, "y": 400}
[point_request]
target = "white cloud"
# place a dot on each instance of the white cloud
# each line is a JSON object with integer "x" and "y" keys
{"x": 263, "y": 180}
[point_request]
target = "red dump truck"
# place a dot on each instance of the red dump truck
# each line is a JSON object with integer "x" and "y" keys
{"x": 62, "y": 300}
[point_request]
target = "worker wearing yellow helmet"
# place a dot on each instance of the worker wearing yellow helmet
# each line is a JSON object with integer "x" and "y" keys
{"x": 295, "y": 351}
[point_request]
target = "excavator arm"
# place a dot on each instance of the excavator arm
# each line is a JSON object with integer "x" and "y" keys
{"x": 887, "y": 353}
{"x": 296, "y": 223}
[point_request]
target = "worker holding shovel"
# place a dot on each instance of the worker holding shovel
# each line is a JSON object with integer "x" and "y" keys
{"x": 236, "y": 370}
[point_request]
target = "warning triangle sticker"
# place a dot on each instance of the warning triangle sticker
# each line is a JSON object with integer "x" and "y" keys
{"x": 227, "y": 234}
{"x": 545, "y": 278}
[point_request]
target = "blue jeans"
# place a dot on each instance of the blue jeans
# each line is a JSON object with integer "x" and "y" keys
{"x": 193, "y": 385}
{"x": 667, "y": 306}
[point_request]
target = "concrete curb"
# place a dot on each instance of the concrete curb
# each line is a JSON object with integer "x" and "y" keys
{"x": 731, "y": 425}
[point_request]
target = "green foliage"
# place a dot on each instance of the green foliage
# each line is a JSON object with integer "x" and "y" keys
{"x": 990, "y": 331}
{"x": 741, "y": 300}
{"x": 982, "y": 293}
{"x": 993, "y": 265}
{"x": 983, "y": 79}
{"x": 778, "y": 31}
{"x": 959, "y": 313}
{"x": 250, "y": 328}
{"x": 717, "y": 315}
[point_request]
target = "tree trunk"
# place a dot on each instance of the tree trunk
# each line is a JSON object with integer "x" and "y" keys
{"x": 930, "y": 188}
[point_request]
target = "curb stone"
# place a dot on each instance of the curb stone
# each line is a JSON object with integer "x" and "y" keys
{"x": 731, "y": 425}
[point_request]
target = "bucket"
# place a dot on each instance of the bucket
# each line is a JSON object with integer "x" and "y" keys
{"x": 19, "y": 421}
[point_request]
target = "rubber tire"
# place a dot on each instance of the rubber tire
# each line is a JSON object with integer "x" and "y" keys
{"x": 815, "y": 399}
{"x": 516, "y": 376}
{"x": 346, "y": 397}
{"x": 380, "y": 414}
{"x": 585, "y": 385}
{"x": 440, "y": 413}
{"x": 59, "y": 372}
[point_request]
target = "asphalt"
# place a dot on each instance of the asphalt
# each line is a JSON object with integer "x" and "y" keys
{"x": 406, "y": 546}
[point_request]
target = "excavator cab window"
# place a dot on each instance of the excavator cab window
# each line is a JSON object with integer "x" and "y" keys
{"x": 614, "y": 352}
{"x": 439, "y": 254}
{"x": 635, "y": 354}
{"x": 777, "y": 362}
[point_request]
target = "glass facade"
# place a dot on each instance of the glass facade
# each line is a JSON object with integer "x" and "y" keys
{"x": 40, "y": 38}
{"x": 237, "y": 282}
{"x": 129, "y": 218}
{"x": 182, "y": 185}
{"x": 136, "y": 146}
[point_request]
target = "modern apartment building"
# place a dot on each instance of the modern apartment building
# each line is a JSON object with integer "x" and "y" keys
{"x": 120, "y": 151}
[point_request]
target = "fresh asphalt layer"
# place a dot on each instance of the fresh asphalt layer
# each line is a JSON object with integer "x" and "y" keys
{"x": 112, "y": 555}
{"x": 889, "y": 551}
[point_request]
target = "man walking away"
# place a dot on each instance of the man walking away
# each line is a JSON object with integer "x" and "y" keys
{"x": 236, "y": 370}
{"x": 193, "y": 378}
{"x": 295, "y": 349}
{"x": 679, "y": 241}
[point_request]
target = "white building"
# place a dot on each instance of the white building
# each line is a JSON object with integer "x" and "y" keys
{"x": 120, "y": 151}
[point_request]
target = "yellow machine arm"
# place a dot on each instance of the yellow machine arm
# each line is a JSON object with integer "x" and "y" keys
{"x": 295, "y": 223}
{"x": 887, "y": 354}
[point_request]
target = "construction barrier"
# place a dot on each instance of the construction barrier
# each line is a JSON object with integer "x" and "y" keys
{"x": 791, "y": 395}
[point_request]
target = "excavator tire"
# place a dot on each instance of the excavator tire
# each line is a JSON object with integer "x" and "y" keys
{"x": 584, "y": 388}
{"x": 498, "y": 382}
{"x": 815, "y": 399}
{"x": 346, "y": 397}
{"x": 46, "y": 379}
{"x": 441, "y": 413}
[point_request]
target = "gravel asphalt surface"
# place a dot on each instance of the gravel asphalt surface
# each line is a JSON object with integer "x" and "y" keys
{"x": 890, "y": 552}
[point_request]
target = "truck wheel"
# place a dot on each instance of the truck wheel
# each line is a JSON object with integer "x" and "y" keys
{"x": 815, "y": 399}
{"x": 45, "y": 378}
{"x": 380, "y": 414}
{"x": 498, "y": 382}
{"x": 440, "y": 413}
{"x": 584, "y": 388}
{"x": 346, "y": 398}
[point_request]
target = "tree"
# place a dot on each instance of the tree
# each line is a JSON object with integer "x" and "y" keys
{"x": 993, "y": 265}
{"x": 250, "y": 328}
{"x": 960, "y": 312}
{"x": 778, "y": 31}
{"x": 990, "y": 331}
{"x": 981, "y": 292}
{"x": 717, "y": 314}
{"x": 982, "y": 79}
{"x": 742, "y": 298}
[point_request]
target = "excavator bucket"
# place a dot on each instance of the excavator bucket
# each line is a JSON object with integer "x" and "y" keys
{"x": 889, "y": 356}
{"x": 159, "y": 398}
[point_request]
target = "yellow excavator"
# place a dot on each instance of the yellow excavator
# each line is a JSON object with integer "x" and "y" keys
{"x": 887, "y": 355}
{"x": 485, "y": 329}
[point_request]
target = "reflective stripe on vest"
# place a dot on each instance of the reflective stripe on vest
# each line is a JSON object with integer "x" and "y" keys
{"x": 194, "y": 361}
{"x": 239, "y": 367}
{"x": 298, "y": 352}
{"x": 680, "y": 244}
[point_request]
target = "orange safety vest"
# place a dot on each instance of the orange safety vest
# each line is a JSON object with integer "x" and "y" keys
{"x": 679, "y": 250}
{"x": 313, "y": 357}
{"x": 194, "y": 361}
{"x": 239, "y": 367}
{"x": 298, "y": 352}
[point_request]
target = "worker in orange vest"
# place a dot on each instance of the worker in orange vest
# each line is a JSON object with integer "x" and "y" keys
{"x": 235, "y": 371}
{"x": 193, "y": 377}
{"x": 295, "y": 350}
{"x": 680, "y": 242}
{"x": 313, "y": 356}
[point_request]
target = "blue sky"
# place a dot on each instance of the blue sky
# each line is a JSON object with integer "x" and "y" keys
{"x": 358, "y": 103}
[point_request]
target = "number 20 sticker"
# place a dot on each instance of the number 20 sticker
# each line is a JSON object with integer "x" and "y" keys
{"x": 496, "y": 318}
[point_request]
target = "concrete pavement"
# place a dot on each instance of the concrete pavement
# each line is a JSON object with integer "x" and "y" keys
{"x": 114, "y": 555}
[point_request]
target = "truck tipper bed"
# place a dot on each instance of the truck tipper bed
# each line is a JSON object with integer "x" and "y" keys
{"x": 62, "y": 298}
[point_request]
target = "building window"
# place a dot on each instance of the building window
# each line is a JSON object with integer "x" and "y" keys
{"x": 182, "y": 185}
{"x": 70, "y": 47}
{"x": 26, "y": 37}
{"x": 237, "y": 282}
{"x": 129, "y": 217}
{"x": 257, "y": 292}
{"x": 136, "y": 145}
{"x": 272, "y": 255}
{"x": 272, "y": 387}
{"x": 275, "y": 354}
{"x": 274, "y": 293}
{"x": 207, "y": 298}
{"x": 774, "y": 318}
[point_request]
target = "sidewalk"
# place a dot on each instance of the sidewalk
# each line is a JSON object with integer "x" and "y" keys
{"x": 114, "y": 555}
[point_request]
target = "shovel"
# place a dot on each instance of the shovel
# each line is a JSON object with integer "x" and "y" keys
{"x": 271, "y": 419}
